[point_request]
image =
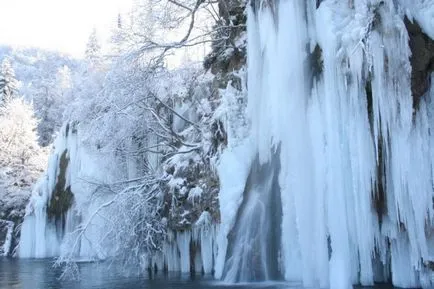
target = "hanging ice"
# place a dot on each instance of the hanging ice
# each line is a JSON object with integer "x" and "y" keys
{"x": 331, "y": 88}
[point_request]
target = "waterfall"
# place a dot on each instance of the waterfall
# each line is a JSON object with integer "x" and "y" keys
{"x": 254, "y": 245}
{"x": 7, "y": 226}
{"x": 329, "y": 83}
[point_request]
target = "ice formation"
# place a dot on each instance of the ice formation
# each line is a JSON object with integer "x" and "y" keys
{"x": 42, "y": 235}
{"x": 330, "y": 91}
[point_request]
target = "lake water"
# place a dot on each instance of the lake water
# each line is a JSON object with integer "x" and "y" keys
{"x": 40, "y": 274}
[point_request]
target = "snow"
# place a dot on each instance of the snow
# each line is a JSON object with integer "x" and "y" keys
{"x": 176, "y": 183}
{"x": 101, "y": 179}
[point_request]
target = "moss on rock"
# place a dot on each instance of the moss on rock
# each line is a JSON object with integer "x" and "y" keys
{"x": 62, "y": 197}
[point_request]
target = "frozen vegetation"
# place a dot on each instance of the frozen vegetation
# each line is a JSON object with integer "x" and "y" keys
{"x": 298, "y": 148}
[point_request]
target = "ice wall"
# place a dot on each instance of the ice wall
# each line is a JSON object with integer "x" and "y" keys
{"x": 329, "y": 82}
{"x": 41, "y": 235}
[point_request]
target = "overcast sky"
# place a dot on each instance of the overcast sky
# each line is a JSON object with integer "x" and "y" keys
{"x": 62, "y": 25}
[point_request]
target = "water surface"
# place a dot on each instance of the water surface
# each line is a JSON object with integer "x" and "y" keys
{"x": 40, "y": 274}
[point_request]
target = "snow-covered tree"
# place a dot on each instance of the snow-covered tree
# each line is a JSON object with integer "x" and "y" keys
{"x": 8, "y": 82}
{"x": 93, "y": 50}
{"x": 64, "y": 78}
{"x": 117, "y": 40}
{"x": 18, "y": 138}
{"x": 50, "y": 99}
{"x": 45, "y": 81}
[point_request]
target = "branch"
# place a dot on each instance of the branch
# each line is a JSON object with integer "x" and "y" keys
{"x": 174, "y": 112}
{"x": 180, "y": 5}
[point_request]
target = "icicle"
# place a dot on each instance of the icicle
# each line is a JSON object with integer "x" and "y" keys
{"x": 183, "y": 240}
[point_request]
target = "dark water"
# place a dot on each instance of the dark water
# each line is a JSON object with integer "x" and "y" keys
{"x": 40, "y": 274}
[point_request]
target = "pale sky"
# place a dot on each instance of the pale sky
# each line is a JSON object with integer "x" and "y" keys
{"x": 62, "y": 25}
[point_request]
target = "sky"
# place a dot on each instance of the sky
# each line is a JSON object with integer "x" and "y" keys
{"x": 61, "y": 25}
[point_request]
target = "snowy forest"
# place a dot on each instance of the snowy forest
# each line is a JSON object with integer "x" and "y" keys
{"x": 283, "y": 140}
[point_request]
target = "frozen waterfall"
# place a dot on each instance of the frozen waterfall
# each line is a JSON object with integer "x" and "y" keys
{"x": 331, "y": 86}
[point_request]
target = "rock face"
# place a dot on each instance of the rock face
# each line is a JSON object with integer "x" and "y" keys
{"x": 198, "y": 192}
{"x": 228, "y": 55}
{"x": 422, "y": 60}
{"x": 61, "y": 198}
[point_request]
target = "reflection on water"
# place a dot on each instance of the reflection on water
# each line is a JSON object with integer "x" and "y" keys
{"x": 40, "y": 274}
